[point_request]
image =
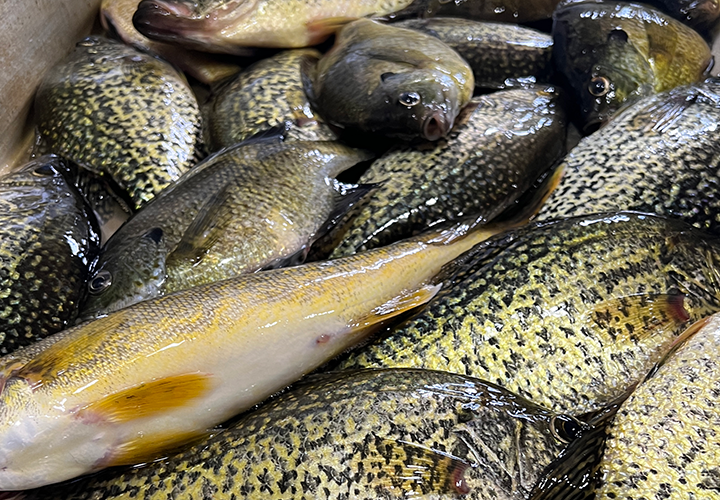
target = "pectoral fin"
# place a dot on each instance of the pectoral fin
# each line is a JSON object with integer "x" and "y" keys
{"x": 397, "y": 306}
{"x": 146, "y": 400}
{"x": 321, "y": 28}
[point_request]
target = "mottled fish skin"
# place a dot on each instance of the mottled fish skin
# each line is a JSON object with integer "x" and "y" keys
{"x": 248, "y": 207}
{"x": 387, "y": 80}
{"x": 230, "y": 26}
{"x": 267, "y": 95}
{"x": 664, "y": 442}
{"x": 47, "y": 239}
{"x": 508, "y": 11}
{"x": 566, "y": 313}
{"x": 142, "y": 381}
{"x": 500, "y": 145}
{"x": 365, "y": 435}
{"x": 500, "y": 55}
{"x": 613, "y": 53}
{"x": 700, "y": 14}
{"x": 661, "y": 155}
{"x": 113, "y": 109}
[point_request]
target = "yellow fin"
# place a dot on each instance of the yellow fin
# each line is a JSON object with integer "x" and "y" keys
{"x": 397, "y": 306}
{"x": 417, "y": 470}
{"x": 319, "y": 29}
{"x": 640, "y": 316}
{"x": 147, "y": 399}
{"x": 148, "y": 448}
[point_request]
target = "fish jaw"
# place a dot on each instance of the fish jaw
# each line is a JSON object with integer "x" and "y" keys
{"x": 39, "y": 448}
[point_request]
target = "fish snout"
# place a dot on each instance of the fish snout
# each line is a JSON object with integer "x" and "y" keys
{"x": 160, "y": 20}
{"x": 436, "y": 126}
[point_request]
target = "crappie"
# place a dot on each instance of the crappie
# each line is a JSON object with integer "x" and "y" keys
{"x": 613, "y": 53}
{"x": 116, "y": 17}
{"x": 500, "y": 55}
{"x": 269, "y": 94}
{"x": 113, "y": 109}
{"x": 48, "y": 236}
{"x": 389, "y": 80}
{"x": 664, "y": 441}
{"x": 256, "y": 205}
{"x": 509, "y": 11}
{"x": 568, "y": 313}
{"x": 376, "y": 434}
{"x": 128, "y": 387}
{"x": 661, "y": 155}
{"x": 229, "y": 26}
{"x": 500, "y": 145}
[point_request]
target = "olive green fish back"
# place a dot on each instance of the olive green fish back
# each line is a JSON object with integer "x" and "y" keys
{"x": 116, "y": 110}
{"x": 568, "y": 314}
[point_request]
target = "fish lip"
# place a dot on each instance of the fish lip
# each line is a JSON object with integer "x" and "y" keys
{"x": 163, "y": 21}
{"x": 436, "y": 126}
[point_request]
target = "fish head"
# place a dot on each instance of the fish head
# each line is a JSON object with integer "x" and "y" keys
{"x": 603, "y": 60}
{"x": 129, "y": 271}
{"x": 422, "y": 102}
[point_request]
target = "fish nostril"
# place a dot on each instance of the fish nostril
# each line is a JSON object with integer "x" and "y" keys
{"x": 433, "y": 129}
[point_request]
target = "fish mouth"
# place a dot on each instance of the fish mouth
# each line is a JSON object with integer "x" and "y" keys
{"x": 164, "y": 21}
{"x": 436, "y": 126}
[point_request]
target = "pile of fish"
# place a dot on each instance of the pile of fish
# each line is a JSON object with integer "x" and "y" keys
{"x": 411, "y": 250}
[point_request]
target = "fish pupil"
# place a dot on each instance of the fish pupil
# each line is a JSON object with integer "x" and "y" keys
{"x": 409, "y": 99}
{"x": 100, "y": 282}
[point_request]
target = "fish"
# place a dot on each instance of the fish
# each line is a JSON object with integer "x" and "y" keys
{"x": 115, "y": 110}
{"x": 660, "y": 155}
{"x": 501, "y": 55}
{"x": 507, "y": 11}
{"x": 128, "y": 387}
{"x": 387, "y": 80}
{"x": 701, "y": 15}
{"x": 376, "y": 434}
{"x": 267, "y": 95}
{"x": 663, "y": 442}
{"x": 259, "y": 204}
{"x": 223, "y": 26}
{"x": 116, "y": 18}
{"x": 567, "y": 313}
{"x": 613, "y": 53}
{"x": 501, "y": 143}
{"x": 48, "y": 237}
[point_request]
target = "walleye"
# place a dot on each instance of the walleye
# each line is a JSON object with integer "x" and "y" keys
{"x": 664, "y": 440}
{"x": 388, "y": 80}
{"x": 566, "y": 313}
{"x": 661, "y": 155}
{"x": 113, "y": 109}
{"x": 500, "y": 55}
{"x": 613, "y": 53}
{"x": 390, "y": 434}
{"x": 267, "y": 95}
{"x": 230, "y": 26}
{"x": 48, "y": 237}
{"x": 257, "y": 205}
{"x": 500, "y": 145}
{"x": 128, "y": 387}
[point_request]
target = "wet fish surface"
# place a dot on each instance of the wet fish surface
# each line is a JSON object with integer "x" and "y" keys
{"x": 661, "y": 155}
{"x": 500, "y": 145}
{"x": 664, "y": 442}
{"x": 257, "y": 205}
{"x": 508, "y": 11}
{"x": 371, "y": 434}
{"x": 267, "y": 95}
{"x": 47, "y": 239}
{"x": 702, "y": 15}
{"x": 229, "y": 27}
{"x": 113, "y": 109}
{"x": 613, "y": 53}
{"x": 387, "y": 80}
{"x": 567, "y": 313}
{"x": 501, "y": 55}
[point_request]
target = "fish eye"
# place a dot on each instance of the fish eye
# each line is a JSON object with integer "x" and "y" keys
{"x": 45, "y": 170}
{"x": 599, "y": 86}
{"x": 565, "y": 428}
{"x": 409, "y": 99}
{"x": 100, "y": 282}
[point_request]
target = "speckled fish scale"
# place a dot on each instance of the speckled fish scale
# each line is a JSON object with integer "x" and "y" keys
{"x": 661, "y": 155}
{"x": 568, "y": 314}
{"x": 368, "y": 435}
{"x": 113, "y": 109}
{"x": 664, "y": 442}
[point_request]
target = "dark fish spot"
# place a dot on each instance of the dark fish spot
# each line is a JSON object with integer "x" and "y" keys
{"x": 385, "y": 76}
{"x": 618, "y": 35}
{"x": 154, "y": 234}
